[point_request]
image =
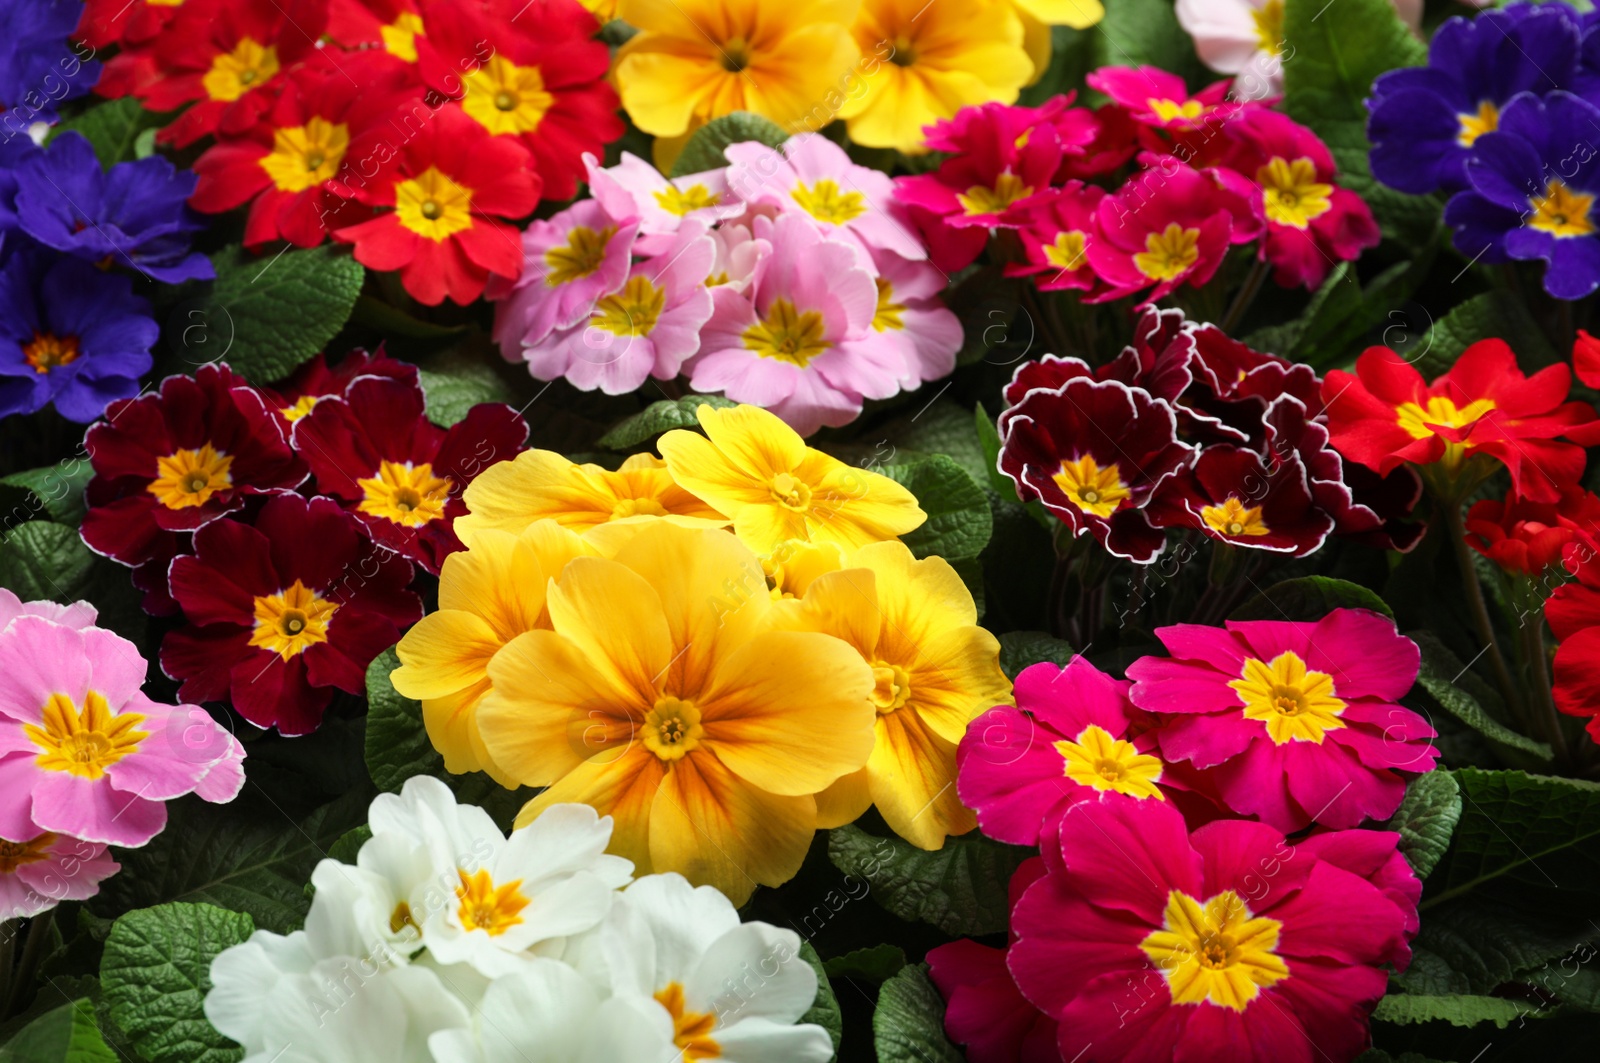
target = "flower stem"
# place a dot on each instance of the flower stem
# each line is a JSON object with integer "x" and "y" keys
{"x": 1247, "y": 295}
{"x": 38, "y": 932}
{"x": 1478, "y": 607}
{"x": 8, "y": 945}
{"x": 1550, "y": 717}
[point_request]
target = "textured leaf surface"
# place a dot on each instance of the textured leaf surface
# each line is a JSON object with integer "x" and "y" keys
{"x": 960, "y": 888}
{"x": 57, "y": 489}
{"x": 959, "y": 521}
{"x": 265, "y": 315}
{"x": 66, "y": 1035}
{"x": 1403, "y": 1008}
{"x": 1427, "y": 818}
{"x": 1309, "y": 598}
{"x": 661, "y": 417}
{"x": 1019, "y": 649}
{"x": 113, "y": 129}
{"x": 908, "y": 1025}
{"x": 453, "y": 384}
{"x": 39, "y": 559}
{"x": 704, "y": 149}
{"x": 824, "y": 1011}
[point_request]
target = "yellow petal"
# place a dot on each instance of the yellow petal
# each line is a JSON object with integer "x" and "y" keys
{"x": 1037, "y": 41}
{"x": 912, "y": 776}
{"x": 789, "y": 711}
{"x": 444, "y": 653}
{"x": 452, "y": 727}
{"x": 792, "y": 84}
{"x": 665, "y": 92}
{"x": 853, "y": 507}
{"x": 845, "y": 604}
{"x": 955, "y": 678}
{"x": 919, "y": 599}
{"x": 846, "y": 801}
{"x": 712, "y": 827}
{"x": 1079, "y": 14}
{"x": 742, "y": 450}
{"x": 614, "y": 618}
{"x": 623, "y": 788}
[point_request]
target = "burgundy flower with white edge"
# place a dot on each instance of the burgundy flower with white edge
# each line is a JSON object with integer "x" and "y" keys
{"x": 1231, "y": 494}
{"x": 1093, "y": 452}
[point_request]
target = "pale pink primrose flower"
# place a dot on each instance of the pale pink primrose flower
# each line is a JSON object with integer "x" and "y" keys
{"x": 78, "y": 614}
{"x": 912, "y": 320}
{"x": 780, "y": 344}
{"x": 41, "y": 872}
{"x": 736, "y": 252}
{"x": 646, "y": 328}
{"x": 570, "y": 261}
{"x": 813, "y": 176}
{"x": 635, "y": 190}
{"x": 83, "y": 752}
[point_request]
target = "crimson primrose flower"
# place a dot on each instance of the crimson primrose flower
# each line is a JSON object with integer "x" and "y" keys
{"x": 446, "y": 184}
{"x": 284, "y": 611}
{"x": 375, "y": 451}
{"x": 170, "y": 462}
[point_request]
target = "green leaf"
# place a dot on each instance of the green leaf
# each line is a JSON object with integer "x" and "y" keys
{"x": 1441, "y": 672}
{"x": 959, "y": 521}
{"x": 1146, "y": 32}
{"x": 113, "y": 129}
{"x": 39, "y": 559}
{"x": 661, "y": 417}
{"x": 392, "y": 321}
{"x": 1457, "y": 1010}
{"x": 453, "y": 384}
{"x": 349, "y": 844}
{"x": 1338, "y": 49}
{"x": 908, "y": 1023}
{"x": 246, "y": 856}
{"x": 1579, "y": 986}
{"x": 704, "y": 149}
{"x": 398, "y": 748}
{"x": 1473, "y": 944}
{"x": 144, "y": 145}
{"x": 58, "y": 488}
{"x": 66, "y": 1035}
{"x": 875, "y": 963}
{"x": 1492, "y": 315}
{"x": 960, "y": 888}
{"x": 989, "y": 439}
{"x": 156, "y": 972}
{"x": 942, "y": 427}
{"x": 1427, "y": 818}
{"x": 273, "y": 313}
{"x": 1019, "y": 649}
{"x": 824, "y": 1010}
{"x": 1309, "y": 598}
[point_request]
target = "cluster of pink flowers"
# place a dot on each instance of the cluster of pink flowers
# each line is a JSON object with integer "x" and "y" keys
{"x": 1168, "y": 906}
{"x": 788, "y": 279}
{"x": 1210, "y": 173}
{"x": 86, "y": 759}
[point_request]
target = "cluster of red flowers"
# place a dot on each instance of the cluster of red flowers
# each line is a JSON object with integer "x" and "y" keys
{"x": 1188, "y": 428}
{"x": 422, "y": 125}
{"x": 283, "y": 526}
{"x": 1210, "y": 173}
{"x": 1155, "y": 916}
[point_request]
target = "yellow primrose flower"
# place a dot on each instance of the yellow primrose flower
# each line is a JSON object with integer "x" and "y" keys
{"x": 664, "y": 697}
{"x": 1039, "y": 15}
{"x": 935, "y": 670}
{"x": 604, "y": 10}
{"x": 695, "y": 60}
{"x": 927, "y": 60}
{"x": 540, "y": 484}
{"x": 794, "y": 563}
{"x": 757, "y": 470}
{"x": 488, "y": 595}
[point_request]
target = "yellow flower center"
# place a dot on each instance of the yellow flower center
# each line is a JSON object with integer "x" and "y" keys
{"x": 1296, "y": 704}
{"x": 1440, "y": 411}
{"x": 1068, "y": 251}
{"x": 582, "y": 254}
{"x": 682, "y": 201}
{"x": 825, "y": 202}
{"x": 46, "y": 351}
{"x": 304, "y": 156}
{"x": 672, "y": 728}
{"x": 487, "y": 907}
{"x": 401, "y": 918}
{"x": 892, "y": 689}
{"x": 1169, "y": 254}
{"x": 1097, "y": 759}
{"x": 735, "y": 53}
{"x": 15, "y": 854}
{"x": 887, "y": 315}
{"x": 791, "y": 492}
{"x": 1234, "y": 518}
{"x": 400, "y": 36}
{"x": 1091, "y": 488}
{"x": 1217, "y": 952}
{"x": 302, "y": 406}
{"x": 787, "y": 334}
{"x": 691, "y": 1030}
{"x": 291, "y": 622}
{"x": 404, "y": 493}
{"x": 1291, "y": 192}
{"x": 1169, "y": 110}
{"x": 84, "y": 744}
{"x": 1473, "y": 126}
{"x": 634, "y": 311}
{"x": 1561, "y": 211}
{"x": 1008, "y": 189}
{"x": 506, "y": 98}
{"x": 1269, "y": 26}
{"x": 235, "y": 73}
{"x": 432, "y": 205}
{"x": 187, "y": 478}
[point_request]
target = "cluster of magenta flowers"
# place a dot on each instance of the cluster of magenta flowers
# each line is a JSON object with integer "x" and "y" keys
{"x": 1171, "y": 813}
{"x": 284, "y": 526}
{"x": 1189, "y": 429}
{"x": 1504, "y": 119}
{"x": 1209, "y": 173}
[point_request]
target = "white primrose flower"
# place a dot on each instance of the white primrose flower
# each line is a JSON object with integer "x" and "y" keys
{"x": 333, "y": 1014}
{"x": 729, "y": 990}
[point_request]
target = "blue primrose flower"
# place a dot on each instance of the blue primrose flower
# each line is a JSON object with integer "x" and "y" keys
{"x": 1425, "y": 121}
{"x": 1535, "y": 182}
{"x": 39, "y": 65}
{"x": 69, "y": 334}
{"x": 135, "y": 215}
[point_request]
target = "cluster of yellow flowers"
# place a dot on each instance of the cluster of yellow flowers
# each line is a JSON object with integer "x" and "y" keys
{"x": 725, "y": 650}
{"x": 887, "y": 67}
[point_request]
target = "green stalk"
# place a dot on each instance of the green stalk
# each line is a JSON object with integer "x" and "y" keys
{"x": 1478, "y": 607}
